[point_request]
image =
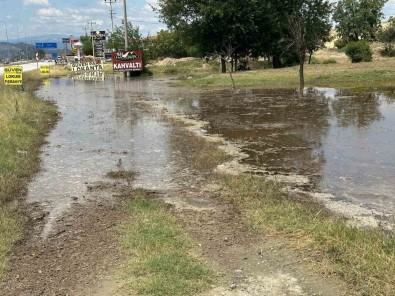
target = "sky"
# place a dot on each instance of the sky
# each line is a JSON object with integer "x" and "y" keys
{"x": 25, "y": 19}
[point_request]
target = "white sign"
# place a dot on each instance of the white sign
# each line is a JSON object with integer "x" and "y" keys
{"x": 87, "y": 67}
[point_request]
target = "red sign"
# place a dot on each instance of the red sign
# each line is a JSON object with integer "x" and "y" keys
{"x": 127, "y": 60}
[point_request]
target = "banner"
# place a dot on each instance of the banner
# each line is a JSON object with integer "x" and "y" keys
{"x": 13, "y": 75}
{"x": 127, "y": 61}
{"x": 87, "y": 67}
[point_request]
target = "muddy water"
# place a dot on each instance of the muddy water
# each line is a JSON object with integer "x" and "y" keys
{"x": 101, "y": 130}
{"x": 343, "y": 142}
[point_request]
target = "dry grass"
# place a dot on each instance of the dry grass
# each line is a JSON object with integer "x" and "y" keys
{"x": 24, "y": 122}
{"x": 362, "y": 257}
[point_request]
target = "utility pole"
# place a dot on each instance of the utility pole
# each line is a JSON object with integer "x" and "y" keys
{"x": 93, "y": 43}
{"x": 86, "y": 31}
{"x": 112, "y": 13}
{"x": 125, "y": 24}
{"x": 8, "y": 45}
{"x": 19, "y": 45}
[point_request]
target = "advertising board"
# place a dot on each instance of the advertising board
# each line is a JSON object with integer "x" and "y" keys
{"x": 127, "y": 61}
{"x": 13, "y": 75}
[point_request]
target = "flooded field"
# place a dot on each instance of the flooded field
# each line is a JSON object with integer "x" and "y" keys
{"x": 341, "y": 142}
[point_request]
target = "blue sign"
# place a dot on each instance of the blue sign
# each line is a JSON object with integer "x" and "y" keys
{"x": 54, "y": 55}
{"x": 49, "y": 45}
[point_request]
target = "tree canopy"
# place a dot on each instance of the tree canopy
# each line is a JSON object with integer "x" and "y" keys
{"x": 358, "y": 19}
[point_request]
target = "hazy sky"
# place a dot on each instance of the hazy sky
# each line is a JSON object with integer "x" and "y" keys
{"x": 26, "y": 18}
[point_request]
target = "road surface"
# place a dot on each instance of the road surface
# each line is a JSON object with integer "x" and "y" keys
{"x": 28, "y": 66}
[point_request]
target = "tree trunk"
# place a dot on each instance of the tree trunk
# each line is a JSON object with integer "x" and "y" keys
{"x": 301, "y": 70}
{"x": 276, "y": 62}
{"x": 223, "y": 64}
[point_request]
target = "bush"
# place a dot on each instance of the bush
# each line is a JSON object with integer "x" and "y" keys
{"x": 340, "y": 43}
{"x": 314, "y": 61}
{"x": 359, "y": 51}
{"x": 329, "y": 61}
{"x": 388, "y": 51}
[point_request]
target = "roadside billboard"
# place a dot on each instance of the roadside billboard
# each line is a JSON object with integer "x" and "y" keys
{"x": 87, "y": 67}
{"x": 127, "y": 61}
{"x": 13, "y": 75}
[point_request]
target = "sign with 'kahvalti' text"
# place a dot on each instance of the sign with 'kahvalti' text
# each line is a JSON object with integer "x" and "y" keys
{"x": 127, "y": 60}
{"x": 13, "y": 75}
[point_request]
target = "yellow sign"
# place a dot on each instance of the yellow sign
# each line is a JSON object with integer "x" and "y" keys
{"x": 44, "y": 69}
{"x": 13, "y": 75}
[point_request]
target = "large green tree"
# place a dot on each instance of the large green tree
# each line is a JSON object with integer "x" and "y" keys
{"x": 225, "y": 27}
{"x": 358, "y": 19}
{"x": 237, "y": 28}
{"x": 117, "y": 40}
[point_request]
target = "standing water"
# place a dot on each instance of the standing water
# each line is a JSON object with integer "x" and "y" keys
{"x": 100, "y": 130}
{"x": 341, "y": 142}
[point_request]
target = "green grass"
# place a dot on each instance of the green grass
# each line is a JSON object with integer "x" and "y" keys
{"x": 342, "y": 74}
{"x": 24, "y": 122}
{"x": 160, "y": 263}
{"x": 364, "y": 258}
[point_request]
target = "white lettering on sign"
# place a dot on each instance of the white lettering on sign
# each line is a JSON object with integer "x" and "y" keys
{"x": 86, "y": 67}
{"x": 127, "y": 66}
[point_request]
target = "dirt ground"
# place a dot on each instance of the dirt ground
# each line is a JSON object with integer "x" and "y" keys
{"x": 81, "y": 255}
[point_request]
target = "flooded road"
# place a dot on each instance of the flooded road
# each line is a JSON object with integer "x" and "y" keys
{"x": 100, "y": 131}
{"x": 341, "y": 143}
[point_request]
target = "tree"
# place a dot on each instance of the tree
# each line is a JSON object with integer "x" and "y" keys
{"x": 86, "y": 45}
{"x": 214, "y": 26}
{"x": 387, "y": 36}
{"x": 309, "y": 27}
{"x": 117, "y": 40}
{"x": 358, "y": 19}
{"x": 168, "y": 44}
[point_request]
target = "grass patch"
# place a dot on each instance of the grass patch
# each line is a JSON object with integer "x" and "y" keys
{"x": 362, "y": 257}
{"x": 24, "y": 123}
{"x": 198, "y": 152}
{"x": 374, "y": 74}
{"x": 332, "y": 72}
{"x": 160, "y": 264}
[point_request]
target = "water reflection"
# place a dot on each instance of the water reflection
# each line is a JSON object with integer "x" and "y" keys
{"x": 100, "y": 128}
{"x": 343, "y": 141}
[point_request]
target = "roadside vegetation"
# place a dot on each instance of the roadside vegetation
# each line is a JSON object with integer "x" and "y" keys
{"x": 362, "y": 257}
{"x": 160, "y": 263}
{"x": 330, "y": 68}
{"x": 24, "y": 123}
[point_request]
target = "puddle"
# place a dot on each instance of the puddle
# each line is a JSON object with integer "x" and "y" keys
{"x": 100, "y": 130}
{"x": 342, "y": 142}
